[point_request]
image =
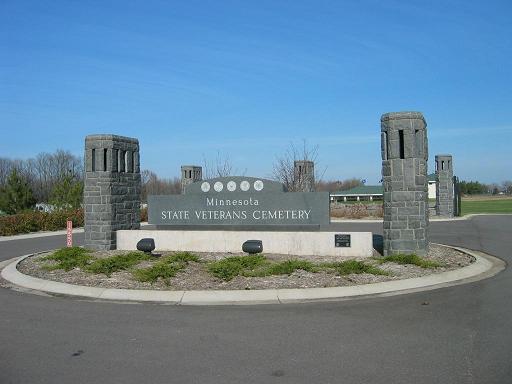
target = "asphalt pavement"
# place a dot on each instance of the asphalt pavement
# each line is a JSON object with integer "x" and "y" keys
{"x": 460, "y": 334}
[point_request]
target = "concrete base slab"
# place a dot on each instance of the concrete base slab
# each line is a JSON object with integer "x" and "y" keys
{"x": 484, "y": 266}
{"x": 288, "y": 243}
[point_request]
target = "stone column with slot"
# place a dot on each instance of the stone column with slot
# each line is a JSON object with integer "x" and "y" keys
{"x": 112, "y": 189}
{"x": 444, "y": 185}
{"x": 190, "y": 174}
{"x": 305, "y": 175}
{"x": 404, "y": 150}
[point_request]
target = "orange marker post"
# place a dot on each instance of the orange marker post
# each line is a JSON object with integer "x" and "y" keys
{"x": 69, "y": 234}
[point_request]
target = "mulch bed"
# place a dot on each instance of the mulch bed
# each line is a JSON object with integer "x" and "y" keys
{"x": 196, "y": 276}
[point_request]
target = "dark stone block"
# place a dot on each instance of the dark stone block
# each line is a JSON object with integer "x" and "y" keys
{"x": 252, "y": 246}
{"x": 146, "y": 245}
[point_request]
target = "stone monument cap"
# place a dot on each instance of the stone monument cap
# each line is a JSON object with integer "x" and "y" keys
{"x": 96, "y": 137}
{"x": 401, "y": 115}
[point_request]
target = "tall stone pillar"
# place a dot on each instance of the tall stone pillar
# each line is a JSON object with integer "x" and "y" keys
{"x": 444, "y": 185}
{"x": 112, "y": 189}
{"x": 305, "y": 175}
{"x": 190, "y": 174}
{"x": 404, "y": 149}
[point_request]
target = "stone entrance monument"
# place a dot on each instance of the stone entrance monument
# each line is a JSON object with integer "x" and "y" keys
{"x": 214, "y": 215}
{"x": 112, "y": 189}
{"x": 404, "y": 150}
{"x": 444, "y": 185}
{"x": 221, "y": 214}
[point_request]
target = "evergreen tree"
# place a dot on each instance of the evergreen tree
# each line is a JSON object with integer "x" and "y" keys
{"x": 472, "y": 187}
{"x": 67, "y": 193}
{"x": 16, "y": 195}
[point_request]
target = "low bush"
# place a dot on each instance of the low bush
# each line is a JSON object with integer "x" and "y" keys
{"x": 357, "y": 210}
{"x": 230, "y": 267}
{"x": 116, "y": 263}
{"x": 283, "y": 268}
{"x": 166, "y": 268}
{"x": 183, "y": 257}
{"x": 353, "y": 266}
{"x": 159, "y": 270}
{"x": 410, "y": 259}
{"x": 69, "y": 258}
{"x": 259, "y": 266}
{"x": 143, "y": 215}
{"x": 32, "y": 221}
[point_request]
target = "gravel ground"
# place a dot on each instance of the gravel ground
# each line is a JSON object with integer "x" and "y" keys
{"x": 196, "y": 277}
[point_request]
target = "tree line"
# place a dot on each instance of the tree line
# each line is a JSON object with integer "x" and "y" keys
{"x": 54, "y": 178}
{"x": 477, "y": 188}
{"x": 58, "y": 179}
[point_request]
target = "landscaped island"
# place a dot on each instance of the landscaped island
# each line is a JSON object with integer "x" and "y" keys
{"x": 213, "y": 271}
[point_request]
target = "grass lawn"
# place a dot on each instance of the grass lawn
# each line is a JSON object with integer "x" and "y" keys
{"x": 501, "y": 205}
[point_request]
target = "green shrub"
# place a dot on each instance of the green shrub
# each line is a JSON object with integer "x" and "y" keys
{"x": 283, "y": 268}
{"x": 353, "y": 266}
{"x": 159, "y": 270}
{"x": 410, "y": 259}
{"x": 117, "y": 263}
{"x": 69, "y": 258}
{"x": 230, "y": 267}
{"x": 183, "y": 256}
{"x": 256, "y": 266}
{"x": 165, "y": 268}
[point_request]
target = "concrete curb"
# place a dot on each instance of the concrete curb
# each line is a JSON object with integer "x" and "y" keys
{"x": 485, "y": 266}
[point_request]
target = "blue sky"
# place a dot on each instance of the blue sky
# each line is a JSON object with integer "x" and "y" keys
{"x": 244, "y": 79}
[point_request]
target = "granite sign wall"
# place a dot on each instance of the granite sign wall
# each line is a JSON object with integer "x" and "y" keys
{"x": 239, "y": 201}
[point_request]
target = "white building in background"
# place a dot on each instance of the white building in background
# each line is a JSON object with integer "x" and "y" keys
{"x": 375, "y": 192}
{"x": 431, "y": 186}
{"x": 43, "y": 207}
{"x": 361, "y": 193}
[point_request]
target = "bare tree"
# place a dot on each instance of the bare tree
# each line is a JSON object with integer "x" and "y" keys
{"x": 44, "y": 171}
{"x": 493, "y": 188}
{"x": 6, "y": 166}
{"x": 507, "y": 187}
{"x": 153, "y": 185}
{"x": 42, "y": 182}
{"x": 338, "y": 185}
{"x": 284, "y": 169}
{"x": 65, "y": 164}
{"x": 221, "y": 166}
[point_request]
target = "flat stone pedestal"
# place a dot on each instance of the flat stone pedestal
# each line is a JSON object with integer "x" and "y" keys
{"x": 288, "y": 243}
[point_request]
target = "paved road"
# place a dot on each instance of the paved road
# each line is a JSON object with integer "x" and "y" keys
{"x": 12, "y": 248}
{"x": 463, "y": 335}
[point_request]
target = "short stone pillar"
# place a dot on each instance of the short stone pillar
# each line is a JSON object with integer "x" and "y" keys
{"x": 190, "y": 174}
{"x": 304, "y": 175}
{"x": 112, "y": 189}
{"x": 404, "y": 149}
{"x": 444, "y": 185}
